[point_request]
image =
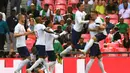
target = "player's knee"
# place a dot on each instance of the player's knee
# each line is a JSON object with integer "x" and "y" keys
{"x": 99, "y": 57}
{"x": 94, "y": 38}
{"x": 92, "y": 57}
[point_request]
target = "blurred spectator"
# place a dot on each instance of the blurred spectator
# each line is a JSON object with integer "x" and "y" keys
{"x": 109, "y": 25}
{"x": 12, "y": 22}
{"x": 3, "y": 14}
{"x": 57, "y": 17}
{"x": 100, "y": 6}
{"x": 74, "y": 7}
{"x": 58, "y": 31}
{"x": 87, "y": 6}
{"x": 3, "y": 30}
{"x": 81, "y": 44}
{"x": 126, "y": 42}
{"x": 46, "y": 12}
{"x": 62, "y": 22}
{"x": 24, "y": 12}
{"x": 111, "y": 8}
{"x": 123, "y": 27}
{"x": 116, "y": 35}
{"x": 116, "y": 2}
{"x": 38, "y": 5}
{"x": 3, "y": 6}
{"x": 69, "y": 10}
{"x": 31, "y": 24}
{"x": 68, "y": 23}
{"x": 67, "y": 27}
{"x": 125, "y": 12}
{"x": 33, "y": 11}
{"x": 16, "y": 4}
{"x": 57, "y": 47}
{"x": 121, "y": 6}
{"x": 12, "y": 55}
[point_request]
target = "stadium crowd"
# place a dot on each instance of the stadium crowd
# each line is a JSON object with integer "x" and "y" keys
{"x": 116, "y": 14}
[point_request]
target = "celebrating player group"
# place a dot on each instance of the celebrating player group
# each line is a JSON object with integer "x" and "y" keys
{"x": 45, "y": 36}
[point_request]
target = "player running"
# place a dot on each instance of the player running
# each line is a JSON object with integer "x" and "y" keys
{"x": 40, "y": 30}
{"x": 20, "y": 34}
{"x": 49, "y": 45}
{"x": 77, "y": 29}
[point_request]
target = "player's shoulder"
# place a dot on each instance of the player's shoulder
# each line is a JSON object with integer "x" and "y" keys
{"x": 98, "y": 20}
{"x": 18, "y": 25}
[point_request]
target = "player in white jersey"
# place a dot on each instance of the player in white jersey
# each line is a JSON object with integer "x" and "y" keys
{"x": 49, "y": 45}
{"x": 77, "y": 29}
{"x": 20, "y": 34}
{"x": 94, "y": 49}
{"x": 40, "y": 30}
{"x": 101, "y": 28}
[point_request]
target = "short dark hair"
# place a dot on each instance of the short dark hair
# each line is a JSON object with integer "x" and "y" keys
{"x": 79, "y": 4}
{"x": 47, "y": 5}
{"x": 94, "y": 12}
{"x": 47, "y": 22}
{"x": 37, "y": 19}
{"x": 116, "y": 28}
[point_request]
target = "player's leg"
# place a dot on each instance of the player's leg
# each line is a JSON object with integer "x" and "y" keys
{"x": 92, "y": 54}
{"x": 89, "y": 44}
{"x": 42, "y": 54}
{"x": 24, "y": 53}
{"x": 101, "y": 65}
{"x": 75, "y": 39}
{"x": 89, "y": 64}
{"x": 96, "y": 38}
{"x": 52, "y": 60}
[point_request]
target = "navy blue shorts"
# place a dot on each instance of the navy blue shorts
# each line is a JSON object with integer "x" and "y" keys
{"x": 51, "y": 56}
{"x": 95, "y": 50}
{"x": 41, "y": 51}
{"x": 23, "y": 51}
{"x": 75, "y": 37}
{"x": 100, "y": 36}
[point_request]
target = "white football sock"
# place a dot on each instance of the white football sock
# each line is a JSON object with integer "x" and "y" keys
{"x": 52, "y": 66}
{"x": 101, "y": 65}
{"x": 88, "y": 45}
{"x": 46, "y": 65}
{"x": 40, "y": 60}
{"x": 89, "y": 64}
{"x": 24, "y": 62}
{"x": 68, "y": 49}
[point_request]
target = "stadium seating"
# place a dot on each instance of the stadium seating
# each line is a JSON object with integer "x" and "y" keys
{"x": 113, "y": 18}
{"x": 50, "y": 2}
{"x": 114, "y": 21}
{"x": 102, "y": 16}
{"x": 61, "y": 7}
{"x": 60, "y": 2}
{"x": 86, "y": 37}
{"x": 70, "y": 2}
{"x": 127, "y": 21}
{"x": 121, "y": 49}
